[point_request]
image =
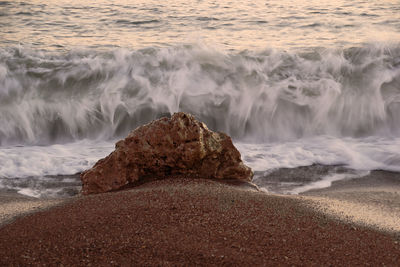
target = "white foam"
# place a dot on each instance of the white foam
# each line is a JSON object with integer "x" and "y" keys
{"x": 42, "y": 192}
{"x": 360, "y": 154}
{"x": 372, "y": 153}
{"x": 264, "y": 96}
{"x": 327, "y": 181}
{"x": 28, "y": 169}
{"x": 59, "y": 159}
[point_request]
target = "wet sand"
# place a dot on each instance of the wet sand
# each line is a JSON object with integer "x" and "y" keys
{"x": 372, "y": 200}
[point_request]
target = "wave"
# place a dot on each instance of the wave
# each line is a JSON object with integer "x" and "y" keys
{"x": 51, "y": 97}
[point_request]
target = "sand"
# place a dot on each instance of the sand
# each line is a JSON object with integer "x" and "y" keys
{"x": 373, "y": 200}
{"x": 189, "y": 222}
{"x": 202, "y": 222}
{"x": 14, "y": 205}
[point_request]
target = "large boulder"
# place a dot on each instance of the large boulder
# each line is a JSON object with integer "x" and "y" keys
{"x": 179, "y": 146}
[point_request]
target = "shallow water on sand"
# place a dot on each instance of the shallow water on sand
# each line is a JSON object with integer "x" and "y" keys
{"x": 285, "y": 168}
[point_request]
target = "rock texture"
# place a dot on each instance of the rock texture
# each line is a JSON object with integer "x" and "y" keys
{"x": 177, "y": 147}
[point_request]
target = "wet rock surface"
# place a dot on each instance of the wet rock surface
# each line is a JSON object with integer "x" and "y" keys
{"x": 179, "y": 146}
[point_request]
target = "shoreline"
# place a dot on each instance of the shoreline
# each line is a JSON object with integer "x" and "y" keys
{"x": 190, "y": 221}
{"x": 372, "y": 201}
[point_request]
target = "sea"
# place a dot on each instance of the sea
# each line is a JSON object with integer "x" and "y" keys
{"x": 309, "y": 91}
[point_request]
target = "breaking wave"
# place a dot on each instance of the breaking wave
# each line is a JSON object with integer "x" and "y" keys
{"x": 54, "y": 97}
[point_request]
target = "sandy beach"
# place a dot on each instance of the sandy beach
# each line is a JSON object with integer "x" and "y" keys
{"x": 373, "y": 200}
{"x": 112, "y": 112}
{"x": 203, "y": 222}
{"x": 13, "y": 205}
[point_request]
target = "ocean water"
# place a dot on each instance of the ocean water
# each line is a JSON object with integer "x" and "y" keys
{"x": 308, "y": 90}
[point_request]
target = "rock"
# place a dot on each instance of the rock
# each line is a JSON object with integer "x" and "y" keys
{"x": 179, "y": 146}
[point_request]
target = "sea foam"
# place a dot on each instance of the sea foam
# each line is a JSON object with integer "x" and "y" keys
{"x": 48, "y": 98}
{"x": 61, "y": 112}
